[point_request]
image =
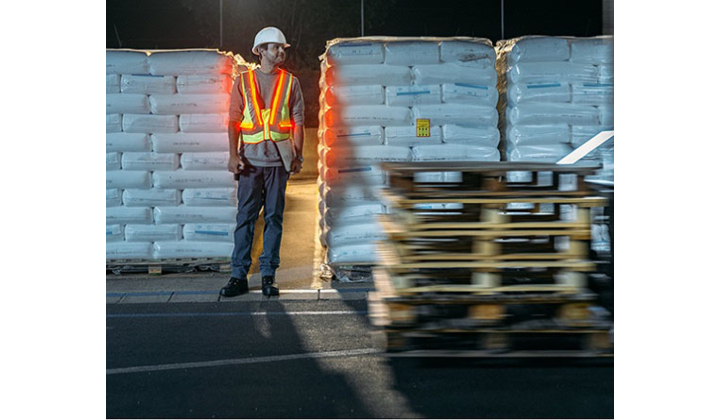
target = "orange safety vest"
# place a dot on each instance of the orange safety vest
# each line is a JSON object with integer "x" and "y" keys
{"x": 260, "y": 123}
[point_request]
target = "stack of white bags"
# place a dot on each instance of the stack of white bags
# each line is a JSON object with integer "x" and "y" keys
{"x": 169, "y": 194}
{"x": 555, "y": 94}
{"x": 376, "y": 95}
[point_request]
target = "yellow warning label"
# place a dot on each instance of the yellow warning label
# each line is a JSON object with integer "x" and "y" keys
{"x": 422, "y": 127}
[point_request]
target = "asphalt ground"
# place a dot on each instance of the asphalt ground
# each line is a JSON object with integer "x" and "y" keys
{"x": 315, "y": 359}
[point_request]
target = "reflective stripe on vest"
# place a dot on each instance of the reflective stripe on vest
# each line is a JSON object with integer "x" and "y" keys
{"x": 260, "y": 123}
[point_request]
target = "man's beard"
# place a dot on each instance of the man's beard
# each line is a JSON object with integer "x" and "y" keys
{"x": 276, "y": 59}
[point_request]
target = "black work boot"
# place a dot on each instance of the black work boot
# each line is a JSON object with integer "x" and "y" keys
{"x": 235, "y": 287}
{"x": 267, "y": 286}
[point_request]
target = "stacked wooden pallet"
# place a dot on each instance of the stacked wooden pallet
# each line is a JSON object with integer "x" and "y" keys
{"x": 494, "y": 260}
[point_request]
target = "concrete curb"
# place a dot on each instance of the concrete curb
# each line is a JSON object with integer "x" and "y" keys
{"x": 184, "y": 296}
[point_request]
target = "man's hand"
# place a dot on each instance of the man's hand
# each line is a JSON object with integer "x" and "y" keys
{"x": 295, "y": 166}
{"x": 235, "y": 164}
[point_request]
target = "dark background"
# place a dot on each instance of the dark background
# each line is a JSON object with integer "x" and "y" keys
{"x": 309, "y": 24}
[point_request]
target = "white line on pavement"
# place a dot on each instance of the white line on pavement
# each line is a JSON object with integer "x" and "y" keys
{"x": 249, "y": 360}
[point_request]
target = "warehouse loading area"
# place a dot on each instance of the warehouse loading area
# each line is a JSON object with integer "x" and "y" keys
{"x": 434, "y": 224}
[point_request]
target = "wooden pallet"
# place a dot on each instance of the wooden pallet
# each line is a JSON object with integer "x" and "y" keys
{"x": 495, "y": 178}
{"x": 411, "y": 203}
{"x": 395, "y": 263}
{"x": 392, "y": 286}
{"x": 119, "y": 266}
{"x": 551, "y": 343}
{"x": 441, "y": 315}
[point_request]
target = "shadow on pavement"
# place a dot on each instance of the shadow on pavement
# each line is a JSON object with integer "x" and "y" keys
{"x": 298, "y": 388}
{"x": 513, "y": 388}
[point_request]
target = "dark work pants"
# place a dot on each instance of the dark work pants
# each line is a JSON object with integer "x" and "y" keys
{"x": 259, "y": 187}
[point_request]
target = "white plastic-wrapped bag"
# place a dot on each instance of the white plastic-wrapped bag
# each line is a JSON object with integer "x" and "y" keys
{"x": 188, "y": 249}
{"x": 539, "y": 49}
{"x": 212, "y": 232}
{"x": 126, "y": 62}
{"x": 152, "y": 233}
{"x": 411, "y": 53}
{"x": 412, "y": 95}
{"x": 368, "y": 74}
{"x": 355, "y": 95}
{"x": 189, "y": 214}
{"x": 592, "y": 50}
{"x": 112, "y": 83}
{"x": 357, "y": 253}
{"x": 204, "y": 123}
{"x": 457, "y": 114}
{"x": 125, "y": 215}
{"x": 407, "y": 136}
{"x": 197, "y": 103}
{"x": 150, "y": 161}
{"x": 358, "y": 52}
{"x": 206, "y": 161}
{"x": 112, "y": 161}
{"x": 471, "y": 135}
{"x": 152, "y": 197}
{"x": 468, "y": 53}
{"x": 190, "y": 62}
{"x": 455, "y": 152}
{"x": 126, "y": 103}
{"x": 204, "y": 83}
{"x": 147, "y": 84}
{"x": 553, "y": 113}
{"x": 113, "y": 123}
{"x": 113, "y": 233}
{"x": 137, "y": 123}
{"x": 432, "y": 74}
{"x": 549, "y": 153}
{"x": 357, "y": 136}
{"x": 355, "y": 234}
{"x": 352, "y": 214}
{"x": 538, "y": 134}
{"x": 127, "y": 142}
{"x": 350, "y": 195}
{"x": 466, "y": 93}
{"x": 189, "y": 142}
{"x": 128, "y": 179}
{"x": 582, "y": 133}
{"x": 519, "y": 93}
{"x": 113, "y": 197}
{"x": 369, "y": 175}
{"x": 364, "y": 115}
{"x": 123, "y": 250}
{"x": 209, "y": 197}
{"x": 361, "y": 156}
{"x": 593, "y": 93}
{"x": 181, "y": 179}
{"x": 552, "y": 72}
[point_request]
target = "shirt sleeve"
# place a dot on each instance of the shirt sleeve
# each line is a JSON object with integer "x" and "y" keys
{"x": 236, "y": 101}
{"x": 297, "y": 103}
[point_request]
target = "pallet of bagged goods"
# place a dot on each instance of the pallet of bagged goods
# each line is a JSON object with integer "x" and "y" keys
{"x": 389, "y": 99}
{"x": 170, "y": 201}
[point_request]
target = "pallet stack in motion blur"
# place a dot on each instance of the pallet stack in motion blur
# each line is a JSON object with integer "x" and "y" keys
{"x": 493, "y": 261}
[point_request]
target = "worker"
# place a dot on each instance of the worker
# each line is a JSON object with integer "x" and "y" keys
{"x": 266, "y": 134}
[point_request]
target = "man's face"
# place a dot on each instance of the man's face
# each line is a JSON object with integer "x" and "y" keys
{"x": 274, "y": 54}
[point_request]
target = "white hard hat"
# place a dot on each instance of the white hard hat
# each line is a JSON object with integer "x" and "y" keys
{"x": 269, "y": 34}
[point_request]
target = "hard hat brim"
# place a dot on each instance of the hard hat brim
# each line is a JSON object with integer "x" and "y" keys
{"x": 255, "y": 48}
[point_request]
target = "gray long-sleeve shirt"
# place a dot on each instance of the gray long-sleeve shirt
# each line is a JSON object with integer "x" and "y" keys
{"x": 265, "y": 153}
